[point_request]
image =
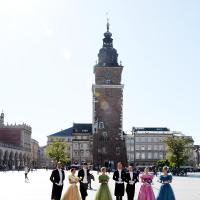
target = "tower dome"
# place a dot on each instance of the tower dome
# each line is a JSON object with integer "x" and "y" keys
{"x": 108, "y": 56}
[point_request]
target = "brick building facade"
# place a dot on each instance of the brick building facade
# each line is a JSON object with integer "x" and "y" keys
{"x": 15, "y": 144}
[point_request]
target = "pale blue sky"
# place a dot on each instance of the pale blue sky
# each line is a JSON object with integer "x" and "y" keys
{"x": 48, "y": 49}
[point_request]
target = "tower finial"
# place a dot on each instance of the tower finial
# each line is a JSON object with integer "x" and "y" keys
{"x": 108, "y": 24}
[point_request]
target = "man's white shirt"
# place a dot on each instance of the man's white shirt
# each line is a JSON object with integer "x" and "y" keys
{"x": 120, "y": 173}
{"x": 85, "y": 176}
{"x": 131, "y": 175}
{"x": 120, "y": 176}
{"x": 61, "y": 177}
{"x": 26, "y": 170}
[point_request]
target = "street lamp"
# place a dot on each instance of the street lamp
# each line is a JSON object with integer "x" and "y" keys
{"x": 134, "y": 133}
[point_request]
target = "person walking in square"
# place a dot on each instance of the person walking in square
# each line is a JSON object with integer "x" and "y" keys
{"x": 83, "y": 180}
{"x": 146, "y": 190}
{"x": 166, "y": 191}
{"x": 104, "y": 191}
{"x": 26, "y": 171}
{"x": 72, "y": 193}
{"x": 90, "y": 178}
{"x": 57, "y": 178}
{"x": 131, "y": 180}
{"x": 119, "y": 177}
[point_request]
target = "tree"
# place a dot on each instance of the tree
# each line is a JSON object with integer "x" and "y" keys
{"x": 178, "y": 150}
{"x": 57, "y": 150}
{"x": 161, "y": 163}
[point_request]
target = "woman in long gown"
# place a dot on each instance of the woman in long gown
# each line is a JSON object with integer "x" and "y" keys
{"x": 104, "y": 191}
{"x": 166, "y": 191}
{"x": 72, "y": 193}
{"x": 146, "y": 190}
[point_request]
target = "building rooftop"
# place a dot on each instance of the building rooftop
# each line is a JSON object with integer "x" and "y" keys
{"x": 63, "y": 133}
{"x": 152, "y": 129}
{"x": 76, "y": 128}
{"x": 82, "y": 128}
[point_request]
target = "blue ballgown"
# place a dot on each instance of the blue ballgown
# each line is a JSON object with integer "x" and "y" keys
{"x": 166, "y": 191}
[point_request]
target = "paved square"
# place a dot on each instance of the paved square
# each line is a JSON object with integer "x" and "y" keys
{"x": 12, "y": 186}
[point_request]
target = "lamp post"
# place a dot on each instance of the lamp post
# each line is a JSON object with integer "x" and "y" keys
{"x": 134, "y": 133}
{"x": 79, "y": 152}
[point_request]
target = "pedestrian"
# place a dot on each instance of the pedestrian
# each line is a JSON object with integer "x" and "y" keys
{"x": 83, "y": 180}
{"x": 90, "y": 178}
{"x": 166, "y": 191}
{"x": 146, "y": 190}
{"x": 26, "y": 171}
{"x": 13, "y": 168}
{"x": 104, "y": 192}
{"x": 57, "y": 178}
{"x": 155, "y": 172}
{"x": 131, "y": 180}
{"x": 72, "y": 193}
{"x": 119, "y": 177}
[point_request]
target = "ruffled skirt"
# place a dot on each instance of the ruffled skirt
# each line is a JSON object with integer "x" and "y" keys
{"x": 72, "y": 193}
{"x": 146, "y": 193}
{"x": 166, "y": 193}
{"x": 103, "y": 193}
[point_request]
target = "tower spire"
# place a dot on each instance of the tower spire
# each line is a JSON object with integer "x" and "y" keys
{"x": 108, "y": 56}
{"x": 108, "y": 24}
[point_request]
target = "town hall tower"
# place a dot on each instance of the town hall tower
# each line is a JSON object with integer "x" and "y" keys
{"x": 108, "y": 141}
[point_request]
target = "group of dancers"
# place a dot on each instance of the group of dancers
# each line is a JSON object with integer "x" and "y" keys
{"x": 119, "y": 176}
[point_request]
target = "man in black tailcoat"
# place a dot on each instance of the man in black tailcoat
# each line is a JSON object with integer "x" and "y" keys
{"x": 83, "y": 175}
{"x": 57, "y": 178}
{"x": 131, "y": 180}
{"x": 119, "y": 177}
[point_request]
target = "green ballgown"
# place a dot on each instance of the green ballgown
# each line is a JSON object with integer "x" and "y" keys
{"x": 104, "y": 191}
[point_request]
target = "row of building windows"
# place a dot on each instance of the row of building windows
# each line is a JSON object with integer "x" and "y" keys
{"x": 81, "y": 137}
{"x": 52, "y": 139}
{"x": 82, "y": 153}
{"x": 146, "y": 147}
{"x": 69, "y": 139}
{"x": 145, "y": 139}
{"x": 149, "y": 155}
{"x": 81, "y": 145}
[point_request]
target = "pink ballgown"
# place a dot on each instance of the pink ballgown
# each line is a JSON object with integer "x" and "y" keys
{"x": 146, "y": 190}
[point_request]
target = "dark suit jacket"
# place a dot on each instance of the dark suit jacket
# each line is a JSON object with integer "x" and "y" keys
{"x": 119, "y": 188}
{"x": 82, "y": 174}
{"x": 128, "y": 177}
{"x": 55, "y": 177}
{"x": 116, "y": 175}
{"x": 130, "y": 189}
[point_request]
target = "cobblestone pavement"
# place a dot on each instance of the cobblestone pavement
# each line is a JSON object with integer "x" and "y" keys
{"x": 13, "y": 186}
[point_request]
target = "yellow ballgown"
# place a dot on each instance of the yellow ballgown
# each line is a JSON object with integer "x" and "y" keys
{"x": 72, "y": 193}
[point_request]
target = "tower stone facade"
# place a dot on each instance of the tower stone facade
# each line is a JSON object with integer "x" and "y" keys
{"x": 108, "y": 141}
